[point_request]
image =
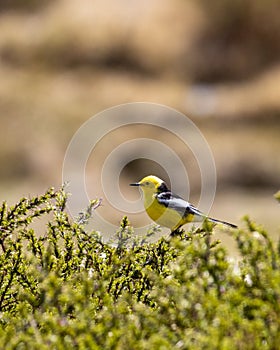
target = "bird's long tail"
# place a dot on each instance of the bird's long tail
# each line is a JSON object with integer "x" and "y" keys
{"x": 199, "y": 216}
{"x": 222, "y": 222}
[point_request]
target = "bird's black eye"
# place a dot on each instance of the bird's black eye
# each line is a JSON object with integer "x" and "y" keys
{"x": 147, "y": 183}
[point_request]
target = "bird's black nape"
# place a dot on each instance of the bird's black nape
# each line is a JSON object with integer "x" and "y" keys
{"x": 162, "y": 188}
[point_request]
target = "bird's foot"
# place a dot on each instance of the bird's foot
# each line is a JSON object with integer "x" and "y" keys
{"x": 177, "y": 232}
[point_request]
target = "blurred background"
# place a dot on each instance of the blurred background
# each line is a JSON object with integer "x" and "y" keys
{"x": 217, "y": 62}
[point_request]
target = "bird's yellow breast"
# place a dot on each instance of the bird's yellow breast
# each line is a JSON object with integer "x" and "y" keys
{"x": 163, "y": 215}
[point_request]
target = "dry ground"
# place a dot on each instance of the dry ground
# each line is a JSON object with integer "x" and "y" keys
{"x": 60, "y": 63}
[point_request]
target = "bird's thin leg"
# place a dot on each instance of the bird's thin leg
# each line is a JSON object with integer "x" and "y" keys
{"x": 177, "y": 232}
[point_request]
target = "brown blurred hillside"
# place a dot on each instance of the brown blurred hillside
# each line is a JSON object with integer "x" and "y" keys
{"x": 217, "y": 62}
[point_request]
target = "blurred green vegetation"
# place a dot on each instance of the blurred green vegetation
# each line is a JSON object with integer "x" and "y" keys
{"x": 66, "y": 288}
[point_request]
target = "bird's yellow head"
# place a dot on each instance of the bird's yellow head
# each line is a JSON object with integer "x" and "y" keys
{"x": 151, "y": 184}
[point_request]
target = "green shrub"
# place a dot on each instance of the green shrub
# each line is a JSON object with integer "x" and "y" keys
{"x": 67, "y": 289}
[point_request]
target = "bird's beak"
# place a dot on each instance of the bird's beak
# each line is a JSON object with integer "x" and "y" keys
{"x": 135, "y": 184}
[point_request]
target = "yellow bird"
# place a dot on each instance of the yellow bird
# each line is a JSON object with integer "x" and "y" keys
{"x": 166, "y": 208}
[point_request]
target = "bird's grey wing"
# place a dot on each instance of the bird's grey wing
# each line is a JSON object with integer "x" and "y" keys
{"x": 185, "y": 208}
{"x": 177, "y": 203}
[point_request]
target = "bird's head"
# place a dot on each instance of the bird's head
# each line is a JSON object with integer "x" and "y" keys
{"x": 151, "y": 184}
